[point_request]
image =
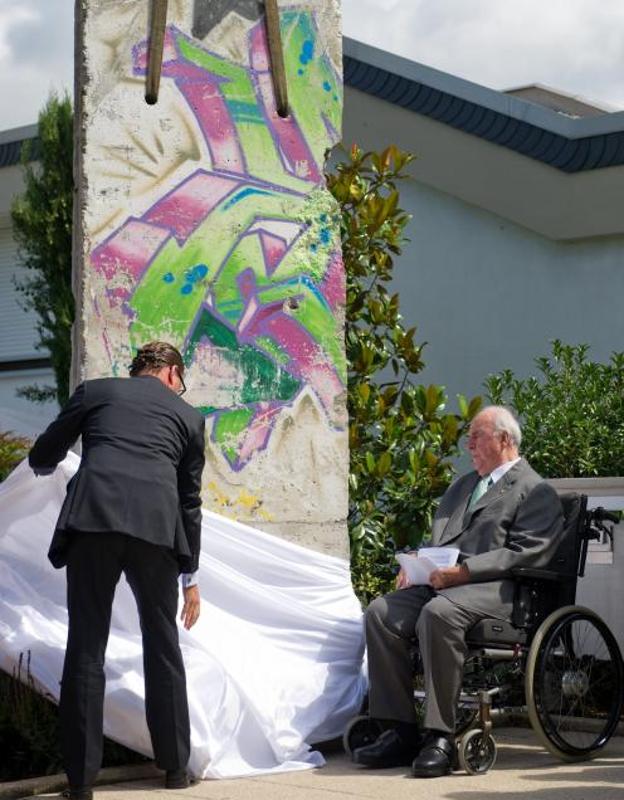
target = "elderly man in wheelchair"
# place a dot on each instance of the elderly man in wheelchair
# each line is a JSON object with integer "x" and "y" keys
{"x": 499, "y": 621}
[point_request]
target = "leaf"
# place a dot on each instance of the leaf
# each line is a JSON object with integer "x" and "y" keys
{"x": 384, "y": 463}
{"x": 364, "y": 391}
{"x": 474, "y": 406}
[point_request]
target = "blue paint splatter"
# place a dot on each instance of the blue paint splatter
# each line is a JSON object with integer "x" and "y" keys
{"x": 323, "y": 217}
{"x": 327, "y": 86}
{"x": 314, "y": 247}
{"x": 300, "y": 71}
{"x": 325, "y": 235}
{"x": 192, "y": 276}
{"x": 198, "y": 272}
{"x": 307, "y": 52}
{"x": 169, "y": 277}
{"x": 241, "y": 196}
{"x": 336, "y": 98}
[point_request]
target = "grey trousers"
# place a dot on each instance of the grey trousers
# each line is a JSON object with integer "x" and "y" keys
{"x": 392, "y": 624}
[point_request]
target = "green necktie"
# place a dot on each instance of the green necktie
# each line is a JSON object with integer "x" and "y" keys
{"x": 480, "y": 489}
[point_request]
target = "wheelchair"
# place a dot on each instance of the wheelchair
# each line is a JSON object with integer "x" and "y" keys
{"x": 554, "y": 660}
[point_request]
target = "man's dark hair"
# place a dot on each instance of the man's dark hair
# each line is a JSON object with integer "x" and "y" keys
{"x": 153, "y": 356}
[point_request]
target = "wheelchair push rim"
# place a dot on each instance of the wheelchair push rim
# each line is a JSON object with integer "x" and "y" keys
{"x": 574, "y": 683}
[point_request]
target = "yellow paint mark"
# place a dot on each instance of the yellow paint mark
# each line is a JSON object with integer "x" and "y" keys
{"x": 248, "y": 501}
{"x": 242, "y": 507}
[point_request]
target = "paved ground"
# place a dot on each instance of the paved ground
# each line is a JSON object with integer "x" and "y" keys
{"x": 524, "y": 771}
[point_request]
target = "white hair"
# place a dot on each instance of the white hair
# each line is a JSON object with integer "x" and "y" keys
{"x": 505, "y": 422}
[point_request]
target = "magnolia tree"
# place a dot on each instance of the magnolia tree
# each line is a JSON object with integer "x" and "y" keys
{"x": 402, "y": 438}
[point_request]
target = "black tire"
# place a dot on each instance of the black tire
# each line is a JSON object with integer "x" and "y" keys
{"x": 477, "y": 752}
{"x": 574, "y": 683}
{"x": 359, "y": 732}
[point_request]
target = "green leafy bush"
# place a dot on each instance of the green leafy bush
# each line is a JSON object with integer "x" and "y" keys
{"x": 12, "y": 450}
{"x": 28, "y": 728}
{"x": 29, "y": 736}
{"x": 42, "y": 227}
{"x": 401, "y": 438}
{"x": 572, "y": 414}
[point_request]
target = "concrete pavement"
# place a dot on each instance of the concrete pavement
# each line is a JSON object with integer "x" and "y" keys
{"x": 523, "y": 771}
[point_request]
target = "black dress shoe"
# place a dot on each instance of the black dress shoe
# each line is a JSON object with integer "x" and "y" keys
{"x": 78, "y": 793}
{"x": 177, "y": 779}
{"x": 436, "y": 758}
{"x": 388, "y": 750}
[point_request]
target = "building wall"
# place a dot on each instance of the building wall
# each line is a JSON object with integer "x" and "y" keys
{"x": 487, "y": 293}
{"x": 204, "y": 220}
{"x": 17, "y": 330}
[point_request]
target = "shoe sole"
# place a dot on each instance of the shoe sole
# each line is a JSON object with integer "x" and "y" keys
{"x": 399, "y": 762}
{"x": 431, "y": 773}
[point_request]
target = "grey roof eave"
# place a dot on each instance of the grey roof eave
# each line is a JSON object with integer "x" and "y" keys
{"x": 566, "y": 144}
{"x": 510, "y": 106}
{"x": 11, "y": 142}
{"x": 18, "y": 135}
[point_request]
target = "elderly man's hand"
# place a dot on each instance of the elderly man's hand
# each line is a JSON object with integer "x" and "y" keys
{"x": 402, "y": 581}
{"x": 190, "y": 609}
{"x": 449, "y": 576}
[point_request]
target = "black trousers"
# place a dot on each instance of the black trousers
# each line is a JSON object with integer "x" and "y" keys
{"x": 95, "y": 563}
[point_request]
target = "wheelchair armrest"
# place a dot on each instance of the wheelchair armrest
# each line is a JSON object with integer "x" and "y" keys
{"x": 537, "y": 574}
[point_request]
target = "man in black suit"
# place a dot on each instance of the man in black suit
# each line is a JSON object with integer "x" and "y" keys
{"x": 500, "y": 516}
{"x": 134, "y": 506}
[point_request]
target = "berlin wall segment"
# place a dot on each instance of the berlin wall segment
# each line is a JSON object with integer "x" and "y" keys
{"x": 205, "y": 221}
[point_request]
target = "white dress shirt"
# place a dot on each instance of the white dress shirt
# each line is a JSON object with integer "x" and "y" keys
{"x": 502, "y": 469}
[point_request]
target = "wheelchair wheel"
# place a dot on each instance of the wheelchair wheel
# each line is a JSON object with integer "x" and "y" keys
{"x": 359, "y": 732}
{"x": 465, "y": 715}
{"x": 574, "y": 683}
{"x": 476, "y": 752}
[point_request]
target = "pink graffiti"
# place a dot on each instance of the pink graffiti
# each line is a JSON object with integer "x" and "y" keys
{"x": 188, "y": 205}
{"x": 306, "y": 358}
{"x": 292, "y": 144}
{"x": 129, "y": 249}
{"x": 333, "y": 287}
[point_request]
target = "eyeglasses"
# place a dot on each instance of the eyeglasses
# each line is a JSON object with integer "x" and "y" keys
{"x": 182, "y": 388}
{"x": 473, "y": 436}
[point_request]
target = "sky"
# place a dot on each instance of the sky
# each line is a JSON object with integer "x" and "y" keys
{"x": 573, "y": 45}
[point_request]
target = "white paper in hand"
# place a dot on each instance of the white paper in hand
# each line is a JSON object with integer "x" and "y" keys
{"x": 419, "y": 565}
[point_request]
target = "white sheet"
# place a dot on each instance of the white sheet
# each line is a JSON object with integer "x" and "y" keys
{"x": 274, "y": 661}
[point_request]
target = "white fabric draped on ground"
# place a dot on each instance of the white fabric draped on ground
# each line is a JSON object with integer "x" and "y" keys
{"x": 273, "y": 662}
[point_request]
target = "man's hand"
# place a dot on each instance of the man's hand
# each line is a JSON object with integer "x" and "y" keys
{"x": 402, "y": 581}
{"x": 40, "y": 471}
{"x": 450, "y": 576}
{"x": 190, "y": 609}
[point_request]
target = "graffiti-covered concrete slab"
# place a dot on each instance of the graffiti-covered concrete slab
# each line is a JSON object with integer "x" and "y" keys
{"x": 204, "y": 220}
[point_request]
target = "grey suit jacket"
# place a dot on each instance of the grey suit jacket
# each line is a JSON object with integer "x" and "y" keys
{"x": 141, "y": 467}
{"x": 517, "y": 523}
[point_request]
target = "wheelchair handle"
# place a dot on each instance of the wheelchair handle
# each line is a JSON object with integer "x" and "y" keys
{"x": 601, "y": 514}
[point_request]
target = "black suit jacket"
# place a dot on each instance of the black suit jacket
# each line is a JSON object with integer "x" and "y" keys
{"x": 140, "y": 473}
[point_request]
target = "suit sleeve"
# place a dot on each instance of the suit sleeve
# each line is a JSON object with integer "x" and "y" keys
{"x": 531, "y": 540}
{"x": 51, "y": 447}
{"x": 189, "y": 491}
